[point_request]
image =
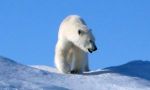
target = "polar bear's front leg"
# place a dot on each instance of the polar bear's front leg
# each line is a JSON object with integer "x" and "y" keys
{"x": 86, "y": 63}
{"x": 61, "y": 63}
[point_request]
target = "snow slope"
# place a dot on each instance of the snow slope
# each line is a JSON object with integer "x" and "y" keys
{"x": 130, "y": 76}
{"x": 45, "y": 68}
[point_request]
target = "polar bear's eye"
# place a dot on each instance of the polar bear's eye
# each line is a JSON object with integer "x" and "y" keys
{"x": 80, "y": 32}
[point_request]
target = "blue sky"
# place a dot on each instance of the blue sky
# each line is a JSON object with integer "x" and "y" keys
{"x": 28, "y": 29}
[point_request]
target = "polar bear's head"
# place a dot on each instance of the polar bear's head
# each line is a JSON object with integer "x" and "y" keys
{"x": 85, "y": 40}
{"x": 76, "y": 31}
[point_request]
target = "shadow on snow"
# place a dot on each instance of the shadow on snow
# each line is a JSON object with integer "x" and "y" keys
{"x": 137, "y": 68}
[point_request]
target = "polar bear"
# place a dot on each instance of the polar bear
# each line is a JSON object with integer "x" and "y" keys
{"x": 75, "y": 40}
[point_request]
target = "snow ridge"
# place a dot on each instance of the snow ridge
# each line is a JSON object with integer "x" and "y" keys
{"x": 131, "y": 76}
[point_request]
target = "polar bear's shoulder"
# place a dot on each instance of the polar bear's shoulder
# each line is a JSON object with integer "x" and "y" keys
{"x": 74, "y": 19}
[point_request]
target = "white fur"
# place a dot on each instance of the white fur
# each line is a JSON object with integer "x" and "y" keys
{"x": 71, "y": 48}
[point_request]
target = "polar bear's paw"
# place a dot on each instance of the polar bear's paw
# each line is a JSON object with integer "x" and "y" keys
{"x": 75, "y": 72}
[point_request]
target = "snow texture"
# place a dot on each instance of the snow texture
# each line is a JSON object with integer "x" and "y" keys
{"x": 134, "y": 75}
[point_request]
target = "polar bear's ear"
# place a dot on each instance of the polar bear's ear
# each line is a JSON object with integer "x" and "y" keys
{"x": 80, "y": 32}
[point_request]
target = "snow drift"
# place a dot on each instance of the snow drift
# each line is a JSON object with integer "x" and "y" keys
{"x": 134, "y": 75}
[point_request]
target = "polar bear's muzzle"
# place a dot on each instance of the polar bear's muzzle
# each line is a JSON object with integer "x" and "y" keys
{"x": 94, "y": 48}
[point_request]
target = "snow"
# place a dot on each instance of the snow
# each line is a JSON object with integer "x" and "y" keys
{"x": 45, "y": 68}
{"x": 134, "y": 75}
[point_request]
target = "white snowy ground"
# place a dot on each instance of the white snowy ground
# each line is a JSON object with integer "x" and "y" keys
{"x": 131, "y": 76}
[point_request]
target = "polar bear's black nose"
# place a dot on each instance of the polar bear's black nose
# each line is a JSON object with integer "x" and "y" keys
{"x": 95, "y": 48}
